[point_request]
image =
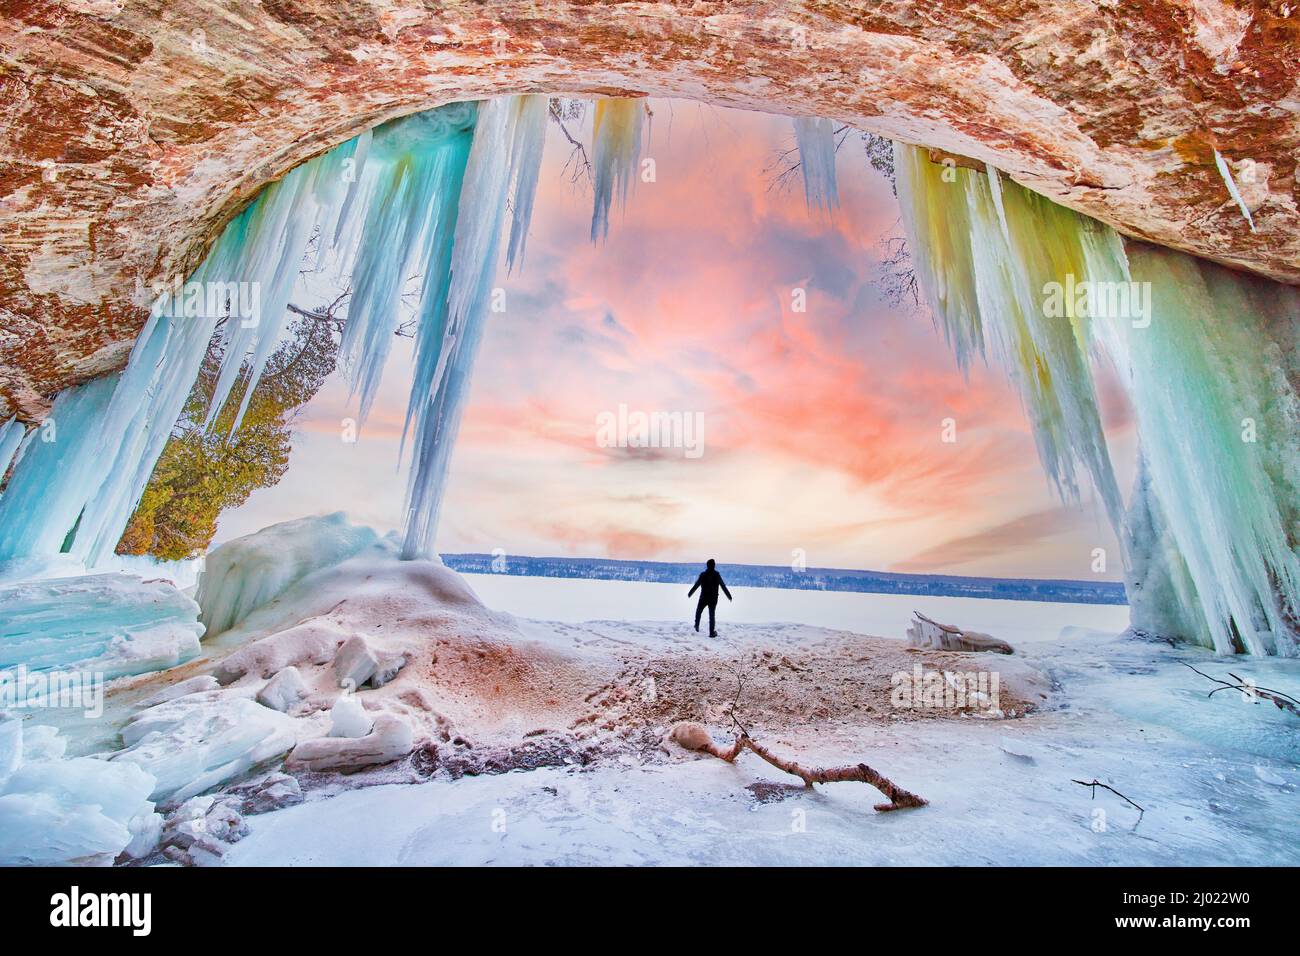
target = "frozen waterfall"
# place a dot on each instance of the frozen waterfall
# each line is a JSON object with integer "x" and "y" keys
{"x": 1203, "y": 352}
{"x": 422, "y": 195}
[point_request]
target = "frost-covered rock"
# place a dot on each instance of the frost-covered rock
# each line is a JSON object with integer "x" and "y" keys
{"x": 112, "y": 624}
{"x": 283, "y": 690}
{"x": 202, "y": 829}
{"x": 349, "y": 719}
{"x": 270, "y": 792}
{"x": 192, "y": 685}
{"x": 192, "y": 744}
{"x": 250, "y": 572}
{"x": 312, "y": 642}
{"x": 56, "y": 810}
{"x": 358, "y": 663}
{"x": 391, "y": 739}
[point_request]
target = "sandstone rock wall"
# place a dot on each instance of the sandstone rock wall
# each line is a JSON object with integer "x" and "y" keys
{"x": 132, "y": 131}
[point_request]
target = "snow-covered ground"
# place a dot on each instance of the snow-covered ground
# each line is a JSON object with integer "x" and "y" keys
{"x": 1216, "y": 777}
{"x": 886, "y": 615}
{"x": 359, "y": 709}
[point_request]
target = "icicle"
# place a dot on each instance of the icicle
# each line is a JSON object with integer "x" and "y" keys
{"x": 412, "y": 162}
{"x": 502, "y": 157}
{"x": 51, "y": 484}
{"x": 1206, "y": 545}
{"x": 938, "y": 230}
{"x": 530, "y": 136}
{"x": 816, "y": 139}
{"x": 12, "y": 433}
{"x": 1220, "y": 430}
{"x": 1233, "y": 191}
{"x": 263, "y": 250}
{"x": 988, "y": 254}
{"x": 995, "y": 187}
{"x": 77, "y": 494}
{"x": 616, "y": 145}
{"x": 1162, "y": 599}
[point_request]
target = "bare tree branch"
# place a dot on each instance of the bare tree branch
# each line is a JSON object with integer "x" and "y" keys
{"x": 1095, "y": 783}
{"x": 694, "y": 736}
{"x": 578, "y": 160}
{"x": 1276, "y": 697}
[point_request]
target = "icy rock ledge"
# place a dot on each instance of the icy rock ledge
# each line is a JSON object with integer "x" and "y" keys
{"x": 79, "y": 811}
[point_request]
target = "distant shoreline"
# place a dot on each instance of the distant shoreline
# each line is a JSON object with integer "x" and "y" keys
{"x": 812, "y": 579}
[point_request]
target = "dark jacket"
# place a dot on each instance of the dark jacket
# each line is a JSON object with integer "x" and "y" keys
{"x": 708, "y": 583}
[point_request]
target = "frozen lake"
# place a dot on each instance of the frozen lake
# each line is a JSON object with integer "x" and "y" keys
{"x": 883, "y": 615}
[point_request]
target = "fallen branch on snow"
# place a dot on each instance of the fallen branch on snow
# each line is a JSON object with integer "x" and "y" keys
{"x": 1095, "y": 783}
{"x": 694, "y": 736}
{"x": 1280, "y": 700}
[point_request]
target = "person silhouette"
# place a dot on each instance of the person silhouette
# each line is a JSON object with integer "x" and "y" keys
{"x": 707, "y": 584}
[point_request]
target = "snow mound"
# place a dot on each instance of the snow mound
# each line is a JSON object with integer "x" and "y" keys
{"x": 114, "y": 624}
{"x": 250, "y": 572}
{"x": 56, "y": 810}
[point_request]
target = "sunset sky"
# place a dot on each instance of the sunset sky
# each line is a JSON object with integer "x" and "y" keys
{"x": 821, "y": 429}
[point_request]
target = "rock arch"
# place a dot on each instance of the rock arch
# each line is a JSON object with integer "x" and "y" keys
{"x": 132, "y": 134}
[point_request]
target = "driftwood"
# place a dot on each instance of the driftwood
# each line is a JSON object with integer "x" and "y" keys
{"x": 1276, "y": 697}
{"x": 694, "y": 736}
{"x": 931, "y": 635}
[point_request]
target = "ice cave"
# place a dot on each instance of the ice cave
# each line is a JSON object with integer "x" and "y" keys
{"x": 1044, "y": 247}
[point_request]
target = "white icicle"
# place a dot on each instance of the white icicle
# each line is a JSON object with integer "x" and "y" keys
{"x": 501, "y": 157}
{"x": 530, "y": 136}
{"x": 1233, "y": 191}
{"x": 12, "y": 433}
{"x": 816, "y": 139}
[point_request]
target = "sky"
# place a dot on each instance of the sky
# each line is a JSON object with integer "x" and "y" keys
{"x": 822, "y": 427}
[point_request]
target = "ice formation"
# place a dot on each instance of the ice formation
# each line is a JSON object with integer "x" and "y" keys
{"x": 56, "y": 810}
{"x": 986, "y": 251}
{"x": 12, "y": 434}
{"x": 430, "y": 195}
{"x": 108, "y": 624}
{"x": 616, "y": 146}
{"x": 503, "y": 161}
{"x": 1203, "y": 353}
{"x": 193, "y": 743}
{"x": 410, "y": 184}
{"x": 816, "y": 140}
{"x": 425, "y": 194}
{"x": 249, "y": 572}
{"x": 1220, "y": 431}
{"x": 1222, "y": 165}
